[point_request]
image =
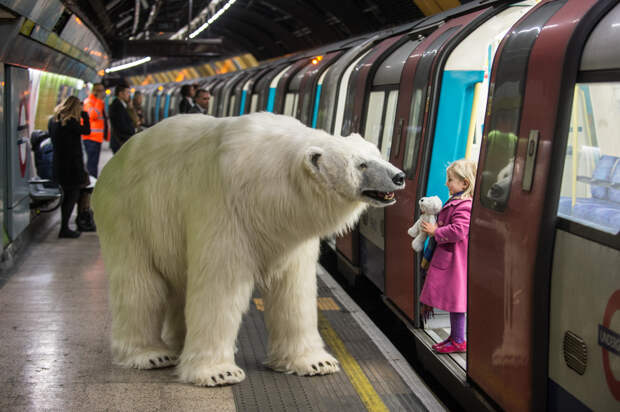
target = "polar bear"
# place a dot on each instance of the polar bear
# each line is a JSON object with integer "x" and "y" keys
{"x": 196, "y": 211}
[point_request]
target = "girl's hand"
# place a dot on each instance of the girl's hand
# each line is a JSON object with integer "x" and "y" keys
{"x": 429, "y": 228}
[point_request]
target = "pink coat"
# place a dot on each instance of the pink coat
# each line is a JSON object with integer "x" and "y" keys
{"x": 446, "y": 281}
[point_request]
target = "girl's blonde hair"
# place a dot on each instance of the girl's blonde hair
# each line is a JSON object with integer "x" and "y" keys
{"x": 70, "y": 108}
{"x": 466, "y": 171}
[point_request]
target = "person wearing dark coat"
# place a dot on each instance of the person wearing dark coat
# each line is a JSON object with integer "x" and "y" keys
{"x": 187, "y": 94}
{"x": 66, "y": 128}
{"x": 122, "y": 125}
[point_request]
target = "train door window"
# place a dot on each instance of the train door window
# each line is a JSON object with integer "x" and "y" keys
{"x": 173, "y": 105}
{"x": 390, "y": 116}
{"x": 372, "y": 129}
{"x": 253, "y": 102}
{"x": 211, "y": 102}
{"x": 342, "y": 94}
{"x": 590, "y": 191}
{"x": 380, "y": 119}
{"x": 414, "y": 125}
{"x": 231, "y": 109}
{"x": 290, "y": 104}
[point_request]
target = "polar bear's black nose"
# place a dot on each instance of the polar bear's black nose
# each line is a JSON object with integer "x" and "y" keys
{"x": 399, "y": 179}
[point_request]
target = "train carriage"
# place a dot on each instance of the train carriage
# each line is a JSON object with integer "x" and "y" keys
{"x": 529, "y": 89}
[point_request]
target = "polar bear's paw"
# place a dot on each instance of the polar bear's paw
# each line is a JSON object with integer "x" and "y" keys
{"x": 151, "y": 359}
{"x": 225, "y": 374}
{"x": 315, "y": 363}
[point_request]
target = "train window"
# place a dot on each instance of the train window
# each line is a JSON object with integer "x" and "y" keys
{"x": 590, "y": 191}
{"x": 211, "y": 101}
{"x": 231, "y": 110}
{"x": 372, "y": 129}
{"x": 408, "y": 164}
{"x": 253, "y": 102}
{"x": 290, "y": 104}
{"x": 342, "y": 94}
{"x": 390, "y": 116}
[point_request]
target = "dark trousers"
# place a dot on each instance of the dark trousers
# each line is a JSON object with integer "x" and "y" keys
{"x": 93, "y": 149}
{"x": 71, "y": 196}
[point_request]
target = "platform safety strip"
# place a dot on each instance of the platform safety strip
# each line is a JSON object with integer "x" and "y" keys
{"x": 370, "y": 398}
{"x": 360, "y": 382}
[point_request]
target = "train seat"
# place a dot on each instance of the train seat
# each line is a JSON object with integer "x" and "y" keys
{"x": 603, "y": 208}
{"x": 45, "y": 194}
{"x": 38, "y": 191}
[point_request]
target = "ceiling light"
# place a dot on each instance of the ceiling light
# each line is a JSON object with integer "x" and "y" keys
{"x": 128, "y": 65}
{"x": 212, "y": 19}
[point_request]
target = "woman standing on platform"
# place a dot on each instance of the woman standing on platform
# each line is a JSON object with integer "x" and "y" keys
{"x": 66, "y": 131}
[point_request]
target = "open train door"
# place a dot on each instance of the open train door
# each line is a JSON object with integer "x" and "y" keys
{"x": 515, "y": 204}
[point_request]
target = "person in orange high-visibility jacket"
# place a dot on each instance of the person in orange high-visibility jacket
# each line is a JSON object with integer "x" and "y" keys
{"x": 95, "y": 108}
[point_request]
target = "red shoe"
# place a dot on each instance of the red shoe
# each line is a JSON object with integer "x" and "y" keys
{"x": 440, "y": 344}
{"x": 453, "y": 347}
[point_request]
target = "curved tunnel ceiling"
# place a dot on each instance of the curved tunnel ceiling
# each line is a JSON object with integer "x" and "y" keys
{"x": 264, "y": 28}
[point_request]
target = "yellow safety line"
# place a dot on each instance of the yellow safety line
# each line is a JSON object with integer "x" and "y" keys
{"x": 323, "y": 303}
{"x": 360, "y": 382}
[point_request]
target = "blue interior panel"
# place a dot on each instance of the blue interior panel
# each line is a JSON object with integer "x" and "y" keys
{"x": 315, "y": 110}
{"x": 450, "y": 142}
{"x": 271, "y": 100}
{"x": 243, "y": 97}
{"x": 167, "y": 105}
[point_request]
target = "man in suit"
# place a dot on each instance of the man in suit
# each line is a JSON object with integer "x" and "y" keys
{"x": 122, "y": 125}
{"x": 187, "y": 93}
{"x": 202, "y": 102}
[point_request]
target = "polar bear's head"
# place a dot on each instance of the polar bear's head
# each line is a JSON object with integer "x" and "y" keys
{"x": 430, "y": 205}
{"x": 353, "y": 168}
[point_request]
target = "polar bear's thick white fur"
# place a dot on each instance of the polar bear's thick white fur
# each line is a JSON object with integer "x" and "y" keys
{"x": 196, "y": 211}
{"x": 429, "y": 207}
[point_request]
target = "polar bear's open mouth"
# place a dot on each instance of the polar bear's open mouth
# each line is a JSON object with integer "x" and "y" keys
{"x": 383, "y": 197}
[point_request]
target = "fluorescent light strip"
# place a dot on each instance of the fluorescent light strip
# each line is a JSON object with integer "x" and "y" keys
{"x": 128, "y": 65}
{"x": 212, "y": 19}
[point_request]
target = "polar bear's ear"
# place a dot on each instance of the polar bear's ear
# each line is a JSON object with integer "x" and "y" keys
{"x": 313, "y": 158}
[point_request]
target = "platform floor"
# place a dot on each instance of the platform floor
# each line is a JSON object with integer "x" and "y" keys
{"x": 54, "y": 352}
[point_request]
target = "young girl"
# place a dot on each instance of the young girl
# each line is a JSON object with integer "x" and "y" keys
{"x": 445, "y": 287}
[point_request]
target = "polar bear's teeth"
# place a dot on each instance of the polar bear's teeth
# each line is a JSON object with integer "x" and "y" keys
{"x": 388, "y": 196}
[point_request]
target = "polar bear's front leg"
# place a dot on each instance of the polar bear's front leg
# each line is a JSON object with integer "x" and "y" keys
{"x": 295, "y": 345}
{"x": 137, "y": 301}
{"x": 217, "y": 296}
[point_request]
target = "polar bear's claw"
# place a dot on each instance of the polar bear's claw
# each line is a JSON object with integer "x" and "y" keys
{"x": 320, "y": 363}
{"x": 323, "y": 368}
{"x": 215, "y": 376}
{"x": 150, "y": 360}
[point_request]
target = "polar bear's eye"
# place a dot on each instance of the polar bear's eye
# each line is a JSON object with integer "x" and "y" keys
{"x": 363, "y": 166}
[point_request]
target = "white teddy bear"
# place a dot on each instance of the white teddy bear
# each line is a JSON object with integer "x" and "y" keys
{"x": 429, "y": 207}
